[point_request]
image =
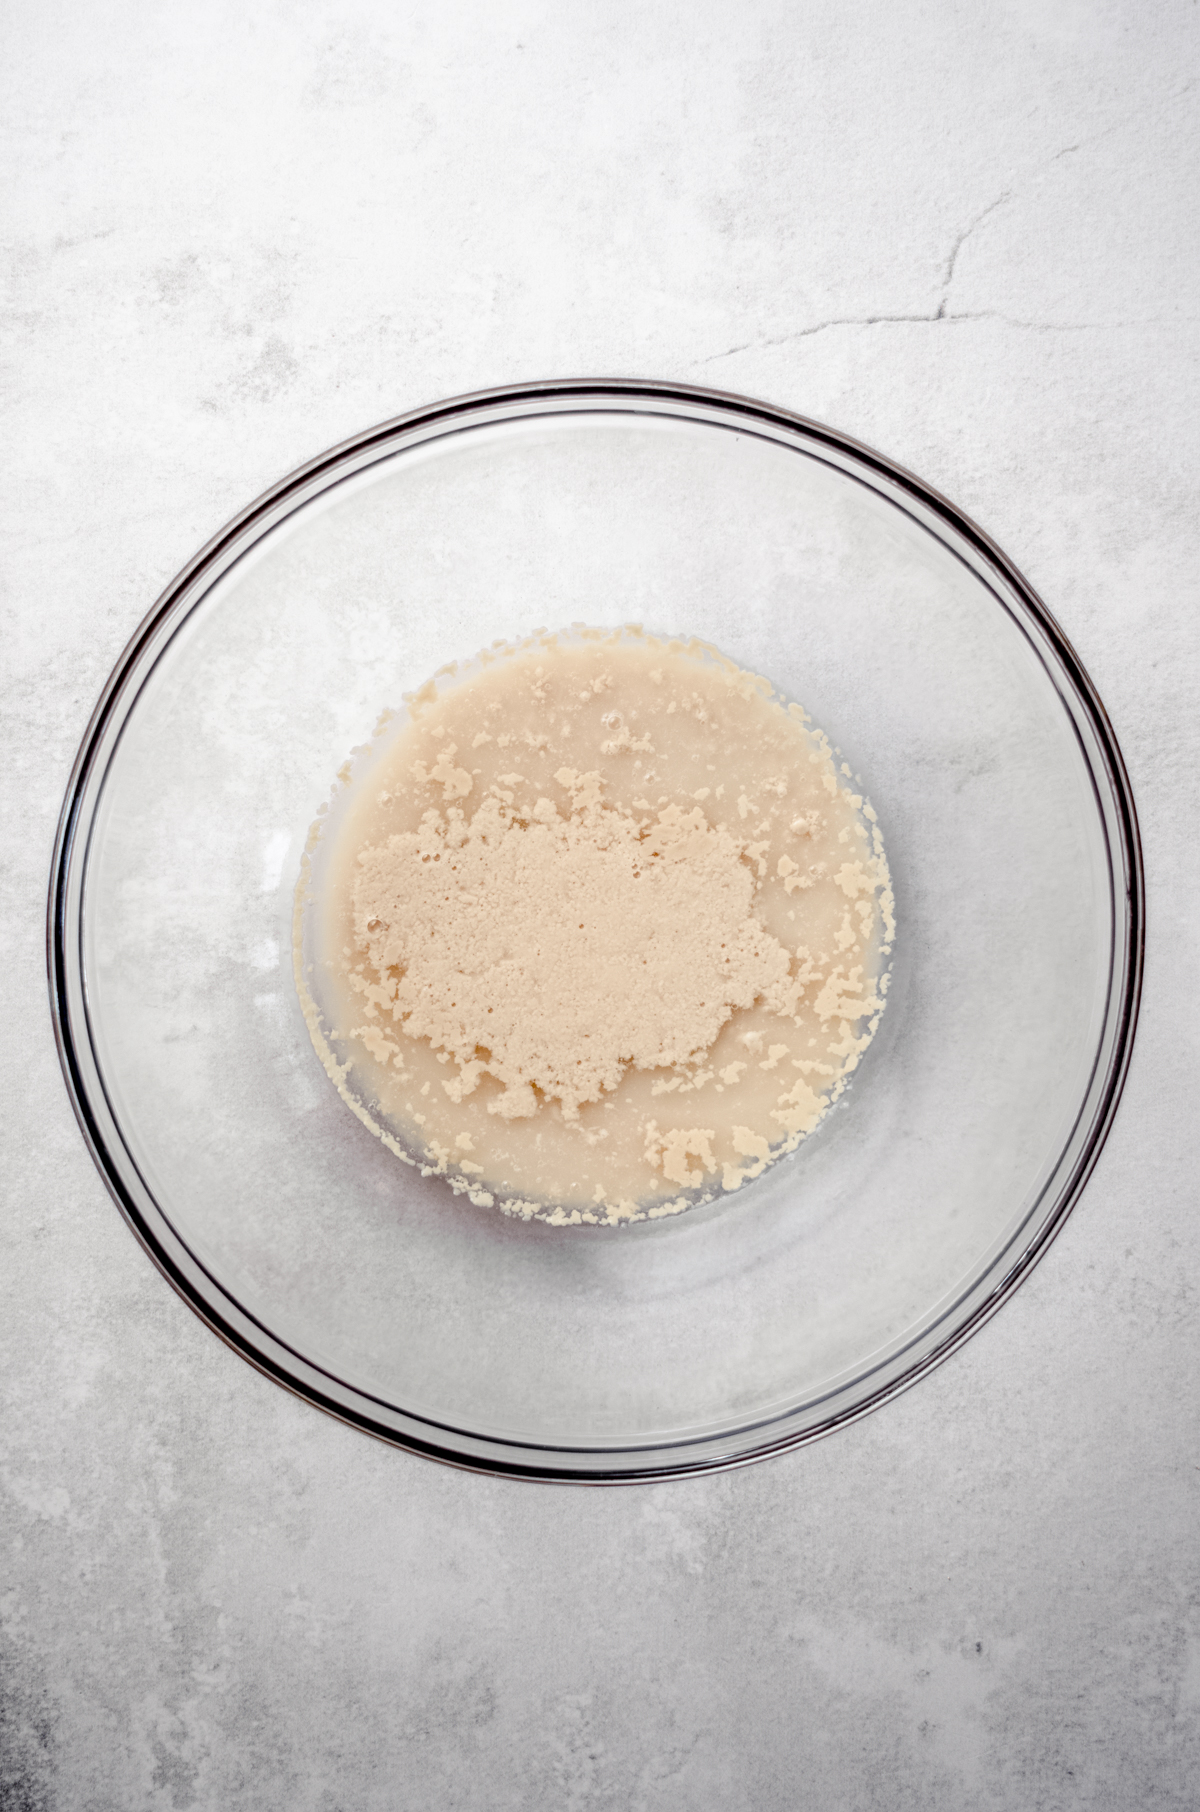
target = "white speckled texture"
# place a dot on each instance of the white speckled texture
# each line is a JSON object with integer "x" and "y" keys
{"x": 969, "y": 236}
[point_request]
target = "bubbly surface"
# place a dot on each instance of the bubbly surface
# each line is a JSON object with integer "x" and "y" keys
{"x": 599, "y": 928}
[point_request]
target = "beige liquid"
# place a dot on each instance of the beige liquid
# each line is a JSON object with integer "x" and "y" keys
{"x": 596, "y": 930}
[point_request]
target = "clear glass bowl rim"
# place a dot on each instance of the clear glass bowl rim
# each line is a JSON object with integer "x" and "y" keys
{"x": 203, "y": 1292}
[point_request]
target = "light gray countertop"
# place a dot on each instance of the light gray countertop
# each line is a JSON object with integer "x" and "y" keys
{"x": 235, "y": 235}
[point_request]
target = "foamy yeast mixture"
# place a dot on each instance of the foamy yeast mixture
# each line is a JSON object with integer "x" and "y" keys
{"x": 599, "y": 930}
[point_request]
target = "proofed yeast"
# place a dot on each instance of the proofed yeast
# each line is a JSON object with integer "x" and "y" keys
{"x": 600, "y": 928}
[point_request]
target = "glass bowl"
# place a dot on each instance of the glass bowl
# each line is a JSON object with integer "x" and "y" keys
{"x": 773, "y": 1315}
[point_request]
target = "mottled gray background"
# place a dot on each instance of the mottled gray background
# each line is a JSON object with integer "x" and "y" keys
{"x": 234, "y": 234}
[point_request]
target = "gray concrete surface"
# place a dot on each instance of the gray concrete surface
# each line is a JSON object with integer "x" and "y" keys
{"x": 235, "y": 234}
